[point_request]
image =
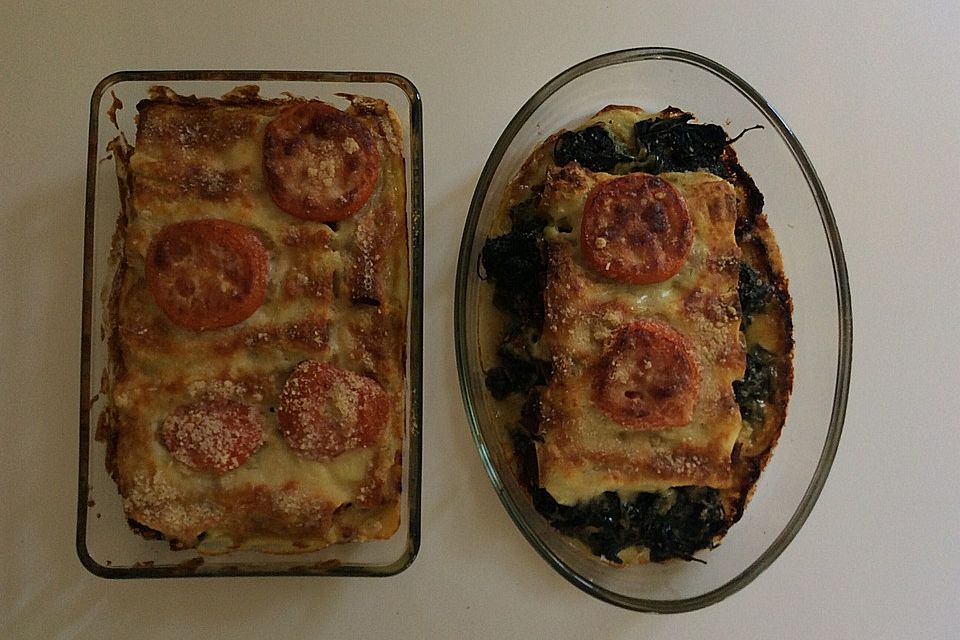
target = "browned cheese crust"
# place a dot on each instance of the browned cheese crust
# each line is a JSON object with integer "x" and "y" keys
{"x": 583, "y": 309}
{"x": 336, "y": 293}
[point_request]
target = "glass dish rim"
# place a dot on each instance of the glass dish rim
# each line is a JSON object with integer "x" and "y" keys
{"x": 845, "y": 326}
{"x": 415, "y": 333}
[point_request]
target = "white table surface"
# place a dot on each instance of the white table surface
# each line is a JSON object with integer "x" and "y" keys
{"x": 872, "y": 94}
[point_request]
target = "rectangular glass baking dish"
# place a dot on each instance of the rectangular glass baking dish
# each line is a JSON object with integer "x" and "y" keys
{"x": 105, "y": 544}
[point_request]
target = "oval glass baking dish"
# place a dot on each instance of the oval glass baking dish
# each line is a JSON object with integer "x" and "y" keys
{"x": 800, "y": 215}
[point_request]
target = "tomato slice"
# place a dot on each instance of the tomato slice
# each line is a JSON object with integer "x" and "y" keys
{"x": 636, "y": 229}
{"x": 647, "y": 377}
{"x": 326, "y": 411}
{"x": 207, "y": 274}
{"x": 319, "y": 162}
{"x": 213, "y": 435}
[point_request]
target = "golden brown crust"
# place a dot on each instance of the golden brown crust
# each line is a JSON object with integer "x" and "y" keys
{"x": 583, "y": 450}
{"x": 199, "y": 158}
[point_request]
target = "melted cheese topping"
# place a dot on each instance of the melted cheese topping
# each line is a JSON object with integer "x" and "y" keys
{"x": 584, "y": 451}
{"x": 203, "y": 159}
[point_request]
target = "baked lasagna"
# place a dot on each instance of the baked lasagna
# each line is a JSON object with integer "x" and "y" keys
{"x": 639, "y": 333}
{"x": 257, "y": 322}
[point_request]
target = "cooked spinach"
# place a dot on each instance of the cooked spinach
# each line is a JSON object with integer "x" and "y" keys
{"x": 525, "y": 215}
{"x": 675, "y": 523}
{"x": 678, "y": 145}
{"x": 693, "y": 520}
{"x": 756, "y": 388}
{"x": 525, "y": 452}
{"x": 514, "y": 262}
{"x": 593, "y": 148}
{"x": 663, "y": 144}
{"x": 518, "y": 369}
{"x": 506, "y": 379}
{"x": 754, "y": 292}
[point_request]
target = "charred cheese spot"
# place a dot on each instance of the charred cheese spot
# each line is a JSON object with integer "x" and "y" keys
{"x": 376, "y": 231}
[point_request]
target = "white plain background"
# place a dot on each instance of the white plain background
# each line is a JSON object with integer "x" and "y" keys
{"x": 871, "y": 89}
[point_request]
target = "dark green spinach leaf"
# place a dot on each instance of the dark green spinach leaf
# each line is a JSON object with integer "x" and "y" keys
{"x": 593, "y": 148}
{"x": 678, "y": 145}
{"x": 754, "y": 292}
{"x": 756, "y": 388}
